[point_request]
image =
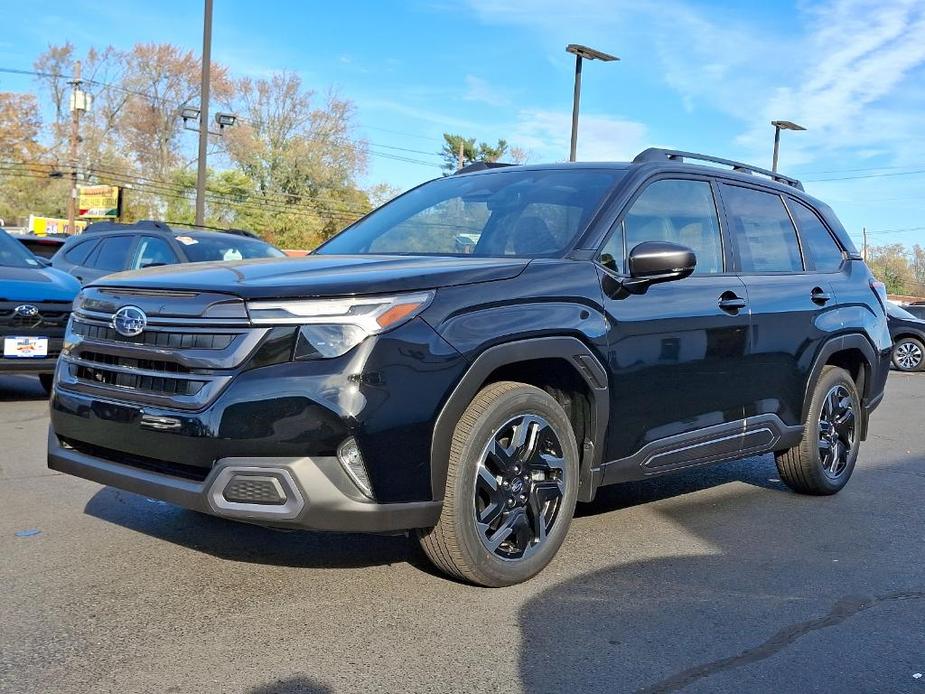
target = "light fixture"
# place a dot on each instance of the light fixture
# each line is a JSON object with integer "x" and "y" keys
{"x": 350, "y": 458}
{"x": 225, "y": 119}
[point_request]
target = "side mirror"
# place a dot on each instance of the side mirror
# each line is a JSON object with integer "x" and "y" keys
{"x": 654, "y": 262}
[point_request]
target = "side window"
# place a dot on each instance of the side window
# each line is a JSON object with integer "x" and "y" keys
{"x": 153, "y": 251}
{"x": 680, "y": 211}
{"x": 613, "y": 252}
{"x": 79, "y": 252}
{"x": 763, "y": 232}
{"x": 818, "y": 243}
{"x": 112, "y": 254}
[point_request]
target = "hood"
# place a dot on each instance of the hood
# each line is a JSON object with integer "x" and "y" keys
{"x": 320, "y": 275}
{"x": 36, "y": 284}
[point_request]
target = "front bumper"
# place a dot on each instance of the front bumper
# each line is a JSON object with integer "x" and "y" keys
{"x": 28, "y": 366}
{"x": 315, "y": 492}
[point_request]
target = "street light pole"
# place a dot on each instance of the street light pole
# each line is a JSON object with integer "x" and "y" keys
{"x": 201, "y": 170}
{"x": 581, "y": 52}
{"x": 575, "y": 100}
{"x": 778, "y": 126}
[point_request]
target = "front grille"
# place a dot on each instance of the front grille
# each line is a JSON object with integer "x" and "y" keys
{"x": 155, "y": 385}
{"x": 51, "y": 318}
{"x": 161, "y": 338}
{"x": 189, "y": 472}
{"x": 176, "y": 362}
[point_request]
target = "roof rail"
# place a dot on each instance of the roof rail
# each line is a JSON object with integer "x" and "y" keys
{"x": 481, "y": 166}
{"x": 657, "y": 154}
{"x": 145, "y": 224}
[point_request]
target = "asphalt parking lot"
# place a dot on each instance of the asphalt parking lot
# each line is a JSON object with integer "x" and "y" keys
{"x": 715, "y": 580}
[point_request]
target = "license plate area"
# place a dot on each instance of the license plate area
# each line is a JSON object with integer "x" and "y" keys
{"x": 15, "y": 347}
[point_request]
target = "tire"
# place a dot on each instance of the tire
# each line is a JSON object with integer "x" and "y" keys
{"x": 824, "y": 460}
{"x": 524, "y": 493}
{"x": 47, "y": 380}
{"x": 909, "y": 354}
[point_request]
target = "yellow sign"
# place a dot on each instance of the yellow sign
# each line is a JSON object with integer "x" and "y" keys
{"x": 42, "y": 226}
{"x": 98, "y": 202}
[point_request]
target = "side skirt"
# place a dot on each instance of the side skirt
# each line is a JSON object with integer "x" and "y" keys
{"x": 738, "y": 439}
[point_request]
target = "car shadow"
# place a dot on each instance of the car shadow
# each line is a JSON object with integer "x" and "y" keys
{"x": 243, "y": 542}
{"x": 292, "y": 685}
{"x": 20, "y": 388}
{"x": 738, "y": 589}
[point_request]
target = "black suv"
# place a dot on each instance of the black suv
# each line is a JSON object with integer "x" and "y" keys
{"x": 107, "y": 247}
{"x": 474, "y": 357}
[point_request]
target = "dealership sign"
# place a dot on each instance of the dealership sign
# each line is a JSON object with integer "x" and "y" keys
{"x": 99, "y": 202}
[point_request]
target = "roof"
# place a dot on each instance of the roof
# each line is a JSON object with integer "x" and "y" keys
{"x": 150, "y": 225}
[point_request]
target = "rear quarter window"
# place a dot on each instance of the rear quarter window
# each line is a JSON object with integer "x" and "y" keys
{"x": 822, "y": 252}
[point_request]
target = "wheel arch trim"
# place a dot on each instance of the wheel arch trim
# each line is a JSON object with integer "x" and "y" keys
{"x": 570, "y": 349}
{"x": 832, "y": 346}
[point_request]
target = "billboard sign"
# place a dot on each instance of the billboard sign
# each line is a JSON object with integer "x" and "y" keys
{"x": 98, "y": 202}
{"x": 52, "y": 225}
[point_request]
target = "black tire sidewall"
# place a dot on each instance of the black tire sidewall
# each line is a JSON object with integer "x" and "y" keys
{"x": 524, "y": 400}
{"x": 830, "y": 378}
{"x": 919, "y": 344}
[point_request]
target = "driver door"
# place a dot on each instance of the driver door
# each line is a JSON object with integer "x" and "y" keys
{"x": 676, "y": 352}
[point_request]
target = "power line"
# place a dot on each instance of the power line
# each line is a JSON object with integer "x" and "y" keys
{"x": 878, "y": 175}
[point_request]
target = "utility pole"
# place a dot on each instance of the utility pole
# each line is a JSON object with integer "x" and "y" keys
{"x": 461, "y": 157}
{"x": 864, "y": 252}
{"x": 78, "y": 105}
{"x": 204, "y": 115}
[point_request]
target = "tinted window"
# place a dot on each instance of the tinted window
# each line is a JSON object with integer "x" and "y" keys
{"x": 204, "y": 247}
{"x": 681, "y": 212}
{"x": 153, "y": 251}
{"x": 79, "y": 252}
{"x": 113, "y": 253}
{"x": 519, "y": 213}
{"x": 613, "y": 251}
{"x": 14, "y": 254}
{"x": 763, "y": 232}
{"x": 818, "y": 244}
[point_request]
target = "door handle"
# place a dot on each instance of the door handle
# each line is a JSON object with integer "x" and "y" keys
{"x": 732, "y": 303}
{"x": 820, "y": 296}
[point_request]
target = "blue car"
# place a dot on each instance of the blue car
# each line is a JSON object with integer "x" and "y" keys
{"x": 35, "y": 304}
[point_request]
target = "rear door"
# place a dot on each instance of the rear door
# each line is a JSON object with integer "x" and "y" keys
{"x": 792, "y": 306}
{"x": 112, "y": 254}
{"x": 676, "y": 353}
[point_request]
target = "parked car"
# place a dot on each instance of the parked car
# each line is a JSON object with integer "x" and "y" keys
{"x": 108, "y": 247}
{"x": 908, "y": 333}
{"x": 917, "y": 310}
{"x": 609, "y": 322}
{"x": 42, "y": 246}
{"x": 35, "y": 302}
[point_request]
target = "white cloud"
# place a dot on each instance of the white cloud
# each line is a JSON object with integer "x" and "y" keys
{"x": 546, "y": 135}
{"x": 479, "y": 90}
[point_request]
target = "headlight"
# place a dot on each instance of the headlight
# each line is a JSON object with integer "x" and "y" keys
{"x": 332, "y": 327}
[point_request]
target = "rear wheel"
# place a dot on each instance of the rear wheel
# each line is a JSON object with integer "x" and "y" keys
{"x": 825, "y": 458}
{"x": 909, "y": 354}
{"x": 512, "y": 484}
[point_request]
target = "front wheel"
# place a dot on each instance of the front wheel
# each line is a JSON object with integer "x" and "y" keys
{"x": 512, "y": 484}
{"x": 909, "y": 354}
{"x": 825, "y": 458}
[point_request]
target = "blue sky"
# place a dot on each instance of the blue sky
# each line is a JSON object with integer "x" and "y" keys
{"x": 697, "y": 75}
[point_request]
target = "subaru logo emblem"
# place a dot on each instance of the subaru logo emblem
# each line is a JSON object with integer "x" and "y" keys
{"x": 26, "y": 311}
{"x": 129, "y": 321}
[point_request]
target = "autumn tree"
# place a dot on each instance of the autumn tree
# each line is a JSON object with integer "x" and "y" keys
{"x": 299, "y": 155}
{"x": 890, "y": 265}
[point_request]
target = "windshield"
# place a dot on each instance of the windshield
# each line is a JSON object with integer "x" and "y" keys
{"x": 897, "y": 312}
{"x": 200, "y": 248}
{"x": 524, "y": 214}
{"x": 14, "y": 254}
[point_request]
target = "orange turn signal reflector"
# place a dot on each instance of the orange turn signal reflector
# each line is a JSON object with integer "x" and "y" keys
{"x": 397, "y": 313}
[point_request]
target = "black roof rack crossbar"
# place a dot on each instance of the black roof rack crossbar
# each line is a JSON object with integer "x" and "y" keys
{"x": 657, "y": 154}
{"x": 481, "y": 166}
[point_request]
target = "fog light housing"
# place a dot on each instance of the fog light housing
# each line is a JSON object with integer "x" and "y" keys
{"x": 350, "y": 458}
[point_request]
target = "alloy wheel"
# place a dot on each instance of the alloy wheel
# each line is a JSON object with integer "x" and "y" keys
{"x": 908, "y": 355}
{"x": 519, "y": 487}
{"x": 837, "y": 430}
